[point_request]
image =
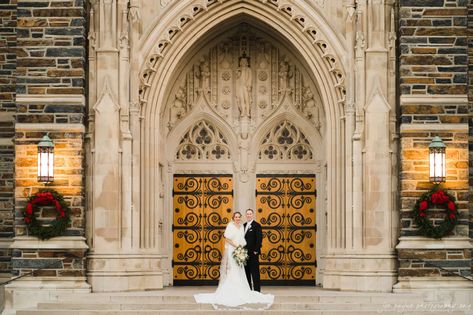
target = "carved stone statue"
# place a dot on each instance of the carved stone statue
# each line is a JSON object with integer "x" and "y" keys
{"x": 310, "y": 109}
{"x": 179, "y": 105}
{"x": 284, "y": 74}
{"x": 204, "y": 75}
{"x": 243, "y": 87}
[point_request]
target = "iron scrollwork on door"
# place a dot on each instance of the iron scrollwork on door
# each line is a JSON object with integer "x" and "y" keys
{"x": 286, "y": 210}
{"x": 202, "y": 209}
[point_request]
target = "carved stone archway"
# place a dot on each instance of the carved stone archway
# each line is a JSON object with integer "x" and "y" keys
{"x": 360, "y": 222}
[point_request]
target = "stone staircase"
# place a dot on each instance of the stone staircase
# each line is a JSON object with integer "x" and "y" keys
{"x": 288, "y": 300}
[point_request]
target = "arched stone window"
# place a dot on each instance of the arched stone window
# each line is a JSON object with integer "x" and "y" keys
{"x": 203, "y": 141}
{"x": 285, "y": 142}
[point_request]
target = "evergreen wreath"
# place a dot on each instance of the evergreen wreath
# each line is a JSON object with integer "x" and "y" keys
{"x": 436, "y": 197}
{"x": 47, "y": 197}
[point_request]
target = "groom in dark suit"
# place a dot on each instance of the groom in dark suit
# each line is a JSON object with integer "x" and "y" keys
{"x": 253, "y": 237}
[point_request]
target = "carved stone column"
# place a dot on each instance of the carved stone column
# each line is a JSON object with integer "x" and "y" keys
{"x": 366, "y": 260}
{"x": 117, "y": 259}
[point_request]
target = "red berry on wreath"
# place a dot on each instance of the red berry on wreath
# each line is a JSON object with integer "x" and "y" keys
{"x": 423, "y": 205}
{"x": 451, "y": 206}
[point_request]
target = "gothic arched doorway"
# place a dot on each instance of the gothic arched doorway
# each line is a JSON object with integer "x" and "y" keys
{"x": 243, "y": 114}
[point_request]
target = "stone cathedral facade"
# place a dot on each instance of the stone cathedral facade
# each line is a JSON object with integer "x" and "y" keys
{"x": 168, "y": 115}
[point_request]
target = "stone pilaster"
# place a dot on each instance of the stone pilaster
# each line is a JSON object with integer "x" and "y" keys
{"x": 50, "y": 99}
{"x": 470, "y": 117}
{"x": 7, "y": 109}
{"x": 434, "y": 102}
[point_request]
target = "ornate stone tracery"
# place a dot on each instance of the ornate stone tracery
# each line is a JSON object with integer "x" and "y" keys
{"x": 244, "y": 77}
{"x": 292, "y": 11}
{"x": 203, "y": 141}
{"x": 285, "y": 142}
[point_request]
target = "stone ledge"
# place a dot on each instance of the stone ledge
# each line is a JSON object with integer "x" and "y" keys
{"x": 6, "y": 141}
{"x": 63, "y": 242}
{"x": 414, "y": 128}
{"x": 49, "y": 127}
{"x": 418, "y": 242}
{"x": 50, "y": 99}
{"x": 461, "y": 99}
{"x": 7, "y": 116}
{"x": 406, "y": 284}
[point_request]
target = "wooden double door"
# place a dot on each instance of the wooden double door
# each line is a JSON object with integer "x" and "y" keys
{"x": 285, "y": 207}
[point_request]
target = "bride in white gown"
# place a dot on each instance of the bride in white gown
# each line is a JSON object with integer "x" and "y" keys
{"x": 233, "y": 288}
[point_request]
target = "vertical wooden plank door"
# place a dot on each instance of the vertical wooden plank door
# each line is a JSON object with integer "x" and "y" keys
{"x": 202, "y": 209}
{"x": 285, "y": 206}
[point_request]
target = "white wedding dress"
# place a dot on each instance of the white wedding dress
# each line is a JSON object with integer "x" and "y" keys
{"x": 233, "y": 289}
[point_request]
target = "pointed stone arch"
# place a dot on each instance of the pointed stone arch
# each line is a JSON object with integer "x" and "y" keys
{"x": 129, "y": 233}
{"x": 302, "y": 28}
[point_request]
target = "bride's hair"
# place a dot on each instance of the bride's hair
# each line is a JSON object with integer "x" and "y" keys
{"x": 235, "y": 213}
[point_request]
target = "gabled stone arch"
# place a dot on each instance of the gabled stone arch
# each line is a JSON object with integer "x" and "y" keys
{"x": 199, "y": 114}
{"x": 309, "y": 132}
{"x": 203, "y": 141}
{"x": 285, "y": 142}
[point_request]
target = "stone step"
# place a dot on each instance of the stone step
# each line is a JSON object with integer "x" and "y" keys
{"x": 233, "y": 312}
{"x": 176, "y": 306}
{"x": 189, "y": 299}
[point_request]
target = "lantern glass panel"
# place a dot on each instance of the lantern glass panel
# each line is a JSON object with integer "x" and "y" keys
{"x": 437, "y": 165}
{"x": 45, "y": 164}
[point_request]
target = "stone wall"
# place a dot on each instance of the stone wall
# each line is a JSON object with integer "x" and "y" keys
{"x": 51, "y": 60}
{"x": 7, "y": 131}
{"x": 433, "y": 65}
{"x": 433, "y": 47}
{"x": 50, "y": 99}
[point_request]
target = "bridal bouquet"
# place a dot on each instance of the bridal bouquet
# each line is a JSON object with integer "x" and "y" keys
{"x": 240, "y": 254}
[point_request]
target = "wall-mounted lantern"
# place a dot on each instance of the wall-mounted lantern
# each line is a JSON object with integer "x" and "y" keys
{"x": 438, "y": 168}
{"x": 45, "y": 160}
